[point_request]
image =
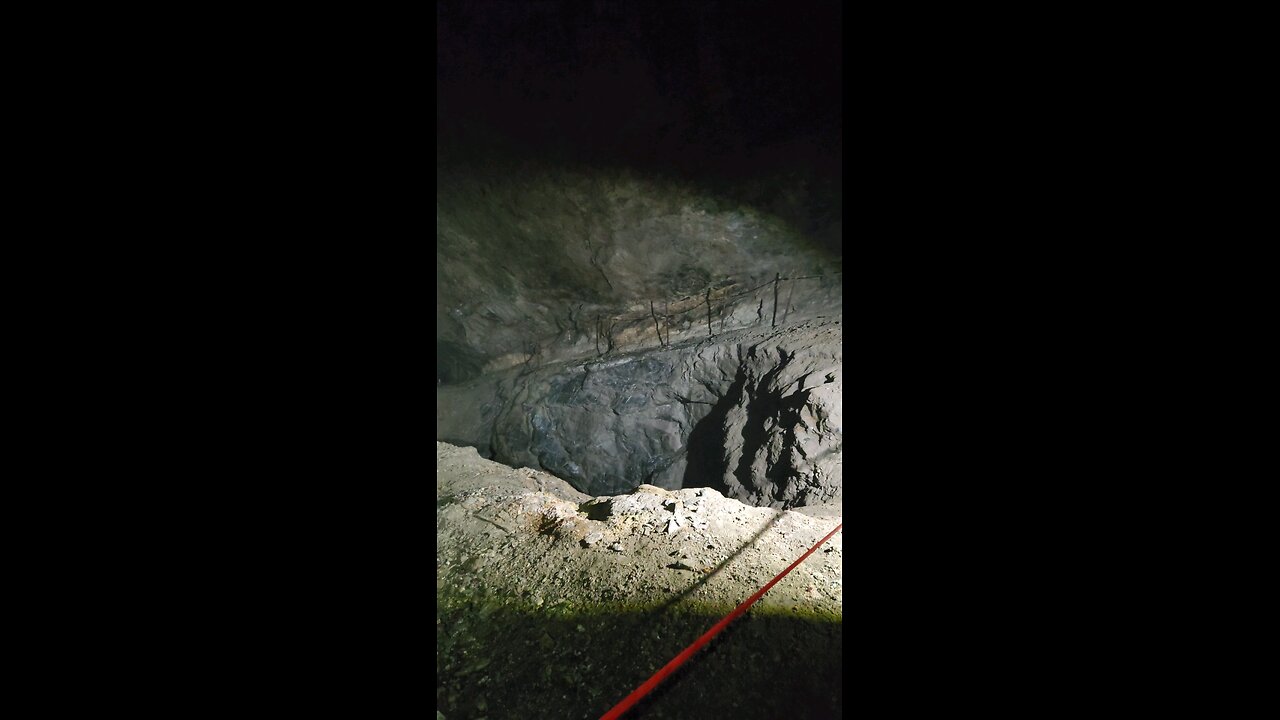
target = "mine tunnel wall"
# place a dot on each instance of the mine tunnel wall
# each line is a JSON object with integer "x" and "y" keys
{"x": 756, "y": 415}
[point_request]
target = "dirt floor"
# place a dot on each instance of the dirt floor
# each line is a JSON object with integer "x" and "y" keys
{"x": 554, "y": 604}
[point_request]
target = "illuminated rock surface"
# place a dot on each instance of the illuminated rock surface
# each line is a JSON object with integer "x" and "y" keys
{"x": 533, "y": 622}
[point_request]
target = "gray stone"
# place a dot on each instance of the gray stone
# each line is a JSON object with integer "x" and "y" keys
{"x": 756, "y": 416}
{"x": 539, "y": 266}
{"x": 616, "y": 327}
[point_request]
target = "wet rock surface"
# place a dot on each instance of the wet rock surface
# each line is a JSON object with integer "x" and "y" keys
{"x": 533, "y": 622}
{"x": 754, "y": 413}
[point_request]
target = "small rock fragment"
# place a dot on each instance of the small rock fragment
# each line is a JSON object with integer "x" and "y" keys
{"x": 593, "y": 538}
{"x": 616, "y": 547}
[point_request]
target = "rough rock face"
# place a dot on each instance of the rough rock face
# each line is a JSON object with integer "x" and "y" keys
{"x": 629, "y": 196}
{"x": 754, "y": 413}
{"x": 536, "y": 263}
{"x": 775, "y": 437}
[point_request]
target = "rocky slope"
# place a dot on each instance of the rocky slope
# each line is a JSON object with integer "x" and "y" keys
{"x": 554, "y": 604}
{"x": 549, "y": 262}
{"x": 639, "y": 240}
{"x": 754, "y": 413}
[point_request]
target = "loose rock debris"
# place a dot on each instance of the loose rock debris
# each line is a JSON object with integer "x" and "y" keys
{"x": 510, "y": 602}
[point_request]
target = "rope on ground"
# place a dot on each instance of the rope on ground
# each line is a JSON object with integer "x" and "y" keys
{"x": 688, "y": 652}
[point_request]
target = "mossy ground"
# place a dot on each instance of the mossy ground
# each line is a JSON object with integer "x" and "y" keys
{"x": 507, "y": 658}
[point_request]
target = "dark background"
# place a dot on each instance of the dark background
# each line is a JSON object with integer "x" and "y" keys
{"x": 740, "y": 97}
{"x": 668, "y": 82}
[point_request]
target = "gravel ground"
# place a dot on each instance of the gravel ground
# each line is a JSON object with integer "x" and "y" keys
{"x": 554, "y": 604}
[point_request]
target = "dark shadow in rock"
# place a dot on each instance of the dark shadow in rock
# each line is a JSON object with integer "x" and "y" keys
{"x": 755, "y": 434}
{"x": 769, "y": 415}
{"x": 707, "y": 462}
{"x": 595, "y": 511}
{"x": 778, "y": 473}
{"x": 456, "y": 363}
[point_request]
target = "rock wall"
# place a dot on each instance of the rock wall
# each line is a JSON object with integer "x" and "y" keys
{"x": 754, "y": 413}
{"x": 544, "y": 263}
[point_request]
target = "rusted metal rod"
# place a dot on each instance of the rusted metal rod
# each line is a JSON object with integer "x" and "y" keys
{"x": 776, "y": 278}
{"x": 709, "y": 334}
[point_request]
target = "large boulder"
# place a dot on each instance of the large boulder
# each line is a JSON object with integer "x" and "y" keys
{"x": 755, "y": 414}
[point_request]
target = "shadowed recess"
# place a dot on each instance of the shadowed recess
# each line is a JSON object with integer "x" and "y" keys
{"x": 510, "y": 660}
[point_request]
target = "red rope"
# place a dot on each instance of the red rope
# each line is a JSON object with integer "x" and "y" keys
{"x": 688, "y": 652}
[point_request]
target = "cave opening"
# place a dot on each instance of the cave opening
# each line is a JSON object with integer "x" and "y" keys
{"x": 639, "y": 305}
